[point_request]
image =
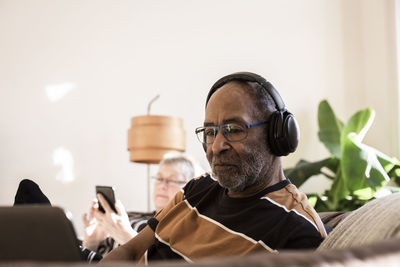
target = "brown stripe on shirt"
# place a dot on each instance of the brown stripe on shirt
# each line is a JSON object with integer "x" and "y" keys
{"x": 212, "y": 240}
{"x": 299, "y": 203}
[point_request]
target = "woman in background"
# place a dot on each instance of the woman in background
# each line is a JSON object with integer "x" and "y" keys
{"x": 103, "y": 231}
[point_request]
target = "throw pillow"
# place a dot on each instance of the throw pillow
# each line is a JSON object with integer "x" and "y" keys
{"x": 377, "y": 220}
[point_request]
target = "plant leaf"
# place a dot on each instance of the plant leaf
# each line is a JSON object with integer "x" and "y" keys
{"x": 359, "y": 124}
{"x": 305, "y": 169}
{"x": 330, "y": 128}
{"x": 320, "y": 203}
{"x": 338, "y": 190}
{"x": 361, "y": 168}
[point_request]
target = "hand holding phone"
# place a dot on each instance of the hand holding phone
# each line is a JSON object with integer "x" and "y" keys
{"x": 108, "y": 193}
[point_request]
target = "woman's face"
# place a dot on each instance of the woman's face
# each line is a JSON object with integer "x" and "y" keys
{"x": 169, "y": 180}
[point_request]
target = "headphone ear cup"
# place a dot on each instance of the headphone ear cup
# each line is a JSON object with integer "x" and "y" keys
{"x": 272, "y": 132}
{"x": 283, "y": 133}
{"x": 291, "y": 133}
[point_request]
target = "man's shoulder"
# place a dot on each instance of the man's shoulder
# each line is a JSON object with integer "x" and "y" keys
{"x": 290, "y": 198}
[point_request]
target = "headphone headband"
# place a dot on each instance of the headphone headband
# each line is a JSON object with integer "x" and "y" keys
{"x": 249, "y": 77}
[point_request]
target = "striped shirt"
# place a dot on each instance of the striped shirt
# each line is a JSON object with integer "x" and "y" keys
{"x": 203, "y": 221}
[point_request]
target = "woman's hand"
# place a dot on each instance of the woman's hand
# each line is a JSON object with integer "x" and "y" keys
{"x": 116, "y": 225}
{"x": 92, "y": 232}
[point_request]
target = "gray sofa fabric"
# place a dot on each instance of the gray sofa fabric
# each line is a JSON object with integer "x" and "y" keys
{"x": 378, "y": 220}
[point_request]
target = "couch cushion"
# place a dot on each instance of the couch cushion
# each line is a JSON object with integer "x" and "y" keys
{"x": 333, "y": 218}
{"x": 375, "y": 221}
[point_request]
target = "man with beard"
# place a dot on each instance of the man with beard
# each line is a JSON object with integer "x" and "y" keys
{"x": 246, "y": 205}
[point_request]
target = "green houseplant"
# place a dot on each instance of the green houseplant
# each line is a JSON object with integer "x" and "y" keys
{"x": 357, "y": 170}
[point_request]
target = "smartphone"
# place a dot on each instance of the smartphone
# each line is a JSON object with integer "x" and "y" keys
{"x": 109, "y": 195}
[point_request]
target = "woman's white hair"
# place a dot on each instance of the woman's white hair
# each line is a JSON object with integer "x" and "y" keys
{"x": 184, "y": 162}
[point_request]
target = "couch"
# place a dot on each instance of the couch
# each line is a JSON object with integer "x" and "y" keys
{"x": 368, "y": 236}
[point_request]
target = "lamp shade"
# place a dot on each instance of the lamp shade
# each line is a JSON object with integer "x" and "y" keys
{"x": 150, "y": 137}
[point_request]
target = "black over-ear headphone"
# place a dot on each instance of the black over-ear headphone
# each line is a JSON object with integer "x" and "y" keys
{"x": 283, "y": 131}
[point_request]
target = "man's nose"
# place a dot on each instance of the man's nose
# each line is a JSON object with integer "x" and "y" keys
{"x": 220, "y": 143}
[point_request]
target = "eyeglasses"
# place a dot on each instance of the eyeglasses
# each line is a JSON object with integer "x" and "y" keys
{"x": 168, "y": 182}
{"x": 233, "y": 132}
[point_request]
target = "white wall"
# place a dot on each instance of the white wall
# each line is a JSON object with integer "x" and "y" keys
{"x": 117, "y": 55}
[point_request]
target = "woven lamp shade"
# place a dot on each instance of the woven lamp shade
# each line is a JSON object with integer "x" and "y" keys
{"x": 150, "y": 137}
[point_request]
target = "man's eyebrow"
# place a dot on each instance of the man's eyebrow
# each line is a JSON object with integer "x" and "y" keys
{"x": 230, "y": 120}
{"x": 208, "y": 124}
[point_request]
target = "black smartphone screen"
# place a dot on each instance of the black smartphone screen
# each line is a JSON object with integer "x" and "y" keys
{"x": 109, "y": 195}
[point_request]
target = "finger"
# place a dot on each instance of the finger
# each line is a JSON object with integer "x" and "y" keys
{"x": 93, "y": 206}
{"x": 104, "y": 203}
{"x": 94, "y": 203}
{"x": 92, "y": 211}
{"x": 98, "y": 216}
{"x": 85, "y": 219}
{"x": 120, "y": 208}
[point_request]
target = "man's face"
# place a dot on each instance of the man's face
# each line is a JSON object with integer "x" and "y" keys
{"x": 236, "y": 165}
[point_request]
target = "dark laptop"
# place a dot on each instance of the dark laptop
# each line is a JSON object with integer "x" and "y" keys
{"x": 38, "y": 233}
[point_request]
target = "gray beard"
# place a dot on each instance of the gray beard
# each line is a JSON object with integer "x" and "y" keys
{"x": 246, "y": 175}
